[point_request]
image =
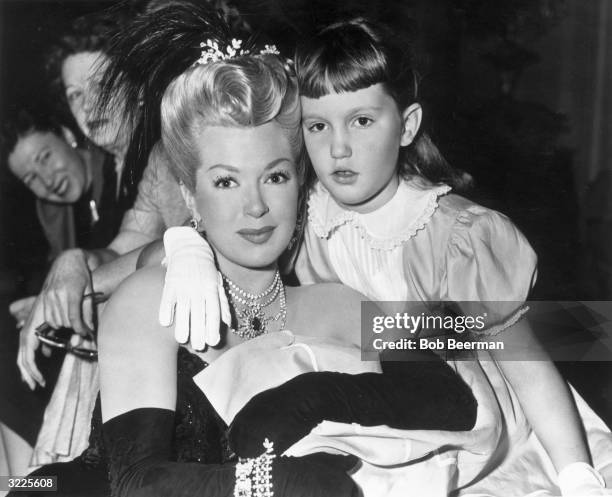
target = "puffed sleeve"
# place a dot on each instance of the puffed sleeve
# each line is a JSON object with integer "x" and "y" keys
{"x": 490, "y": 269}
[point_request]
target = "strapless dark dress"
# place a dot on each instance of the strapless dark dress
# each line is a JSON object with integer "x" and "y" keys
{"x": 199, "y": 436}
{"x": 186, "y": 453}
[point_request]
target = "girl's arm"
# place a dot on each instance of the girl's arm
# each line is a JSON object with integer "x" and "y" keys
{"x": 550, "y": 409}
{"x": 546, "y": 399}
{"x": 489, "y": 261}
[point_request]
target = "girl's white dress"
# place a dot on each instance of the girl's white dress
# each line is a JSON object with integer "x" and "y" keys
{"x": 427, "y": 245}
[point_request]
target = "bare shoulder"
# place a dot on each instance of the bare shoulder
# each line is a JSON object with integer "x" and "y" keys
{"x": 142, "y": 284}
{"x": 326, "y": 309}
{"x": 137, "y": 297}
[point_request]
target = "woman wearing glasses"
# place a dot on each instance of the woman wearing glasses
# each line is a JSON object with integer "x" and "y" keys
{"x": 231, "y": 122}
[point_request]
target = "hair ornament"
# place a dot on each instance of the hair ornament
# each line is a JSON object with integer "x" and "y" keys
{"x": 212, "y": 53}
{"x": 270, "y": 50}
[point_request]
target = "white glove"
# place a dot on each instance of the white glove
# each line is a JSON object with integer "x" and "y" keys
{"x": 580, "y": 479}
{"x": 193, "y": 288}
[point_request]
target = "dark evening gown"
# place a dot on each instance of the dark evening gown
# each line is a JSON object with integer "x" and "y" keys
{"x": 198, "y": 437}
{"x": 191, "y": 452}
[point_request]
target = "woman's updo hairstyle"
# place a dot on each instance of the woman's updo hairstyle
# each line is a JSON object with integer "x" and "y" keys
{"x": 153, "y": 68}
{"x": 355, "y": 54}
{"x": 245, "y": 91}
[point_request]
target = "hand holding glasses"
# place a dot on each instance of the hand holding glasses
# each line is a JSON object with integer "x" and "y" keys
{"x": 48, "y": 335}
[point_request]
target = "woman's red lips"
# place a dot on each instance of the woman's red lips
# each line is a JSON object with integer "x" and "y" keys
{"x": 258, "y": 236}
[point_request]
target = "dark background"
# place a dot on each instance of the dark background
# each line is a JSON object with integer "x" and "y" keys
{"x": 516, "y": 93}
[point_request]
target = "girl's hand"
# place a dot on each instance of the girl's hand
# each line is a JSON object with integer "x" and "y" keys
{"x": 193, "y": 295}
{"x": 580, "y": 479}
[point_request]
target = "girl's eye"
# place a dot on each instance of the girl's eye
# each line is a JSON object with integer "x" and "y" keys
{"x": 224, "y": 182}
{"x": 363, "y": 122}
{"x": 278, "y": 178}
{"x": 315, "y": 127}
{"x": 45, "y": 156}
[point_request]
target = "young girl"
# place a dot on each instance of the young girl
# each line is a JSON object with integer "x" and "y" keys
{"x": 382, "y": 221}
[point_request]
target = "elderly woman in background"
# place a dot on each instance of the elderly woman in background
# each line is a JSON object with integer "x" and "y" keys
{"x": 74, "y": 66}
{"x": 78, "y": 62}
{"x": 91, "y": 38}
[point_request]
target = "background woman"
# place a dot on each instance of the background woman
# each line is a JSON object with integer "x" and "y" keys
{"x": 74, "y": 209}
{"x": 75, "y": 66}
{"x": 66, "y": 178}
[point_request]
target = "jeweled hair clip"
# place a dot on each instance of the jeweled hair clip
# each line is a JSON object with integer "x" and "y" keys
{"x": 211, "y": 52}
{"x": 269, "y": 49}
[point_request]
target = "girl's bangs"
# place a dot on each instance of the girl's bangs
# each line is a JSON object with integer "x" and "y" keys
{"x": 340, "y": 72}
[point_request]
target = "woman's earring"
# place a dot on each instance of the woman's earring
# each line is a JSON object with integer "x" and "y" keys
{"x": 195, "y": 223}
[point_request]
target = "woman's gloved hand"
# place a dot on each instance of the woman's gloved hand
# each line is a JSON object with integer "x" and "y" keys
{"x": 396, "y": 398}
{"x": 193, "y": 295}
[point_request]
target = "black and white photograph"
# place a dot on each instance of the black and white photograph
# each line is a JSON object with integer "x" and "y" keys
{"x": 306, "y": 248}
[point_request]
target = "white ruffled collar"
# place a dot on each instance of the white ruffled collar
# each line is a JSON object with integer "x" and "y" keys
{"x": 408, "y": 211}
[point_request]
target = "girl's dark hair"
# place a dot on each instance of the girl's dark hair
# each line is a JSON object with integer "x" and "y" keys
{"x": 352, "y": 55}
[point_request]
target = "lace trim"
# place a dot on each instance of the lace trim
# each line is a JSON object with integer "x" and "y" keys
{"x": 511, "y": 321}
{"x": 317, "y": 205}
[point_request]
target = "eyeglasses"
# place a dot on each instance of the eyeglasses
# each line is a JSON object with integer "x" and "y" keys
{"x": 49, "y": 336}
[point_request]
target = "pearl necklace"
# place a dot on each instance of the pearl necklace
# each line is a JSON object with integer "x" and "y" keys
{"x": 253, "y": 296}
{"x": 252, "y": 320}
